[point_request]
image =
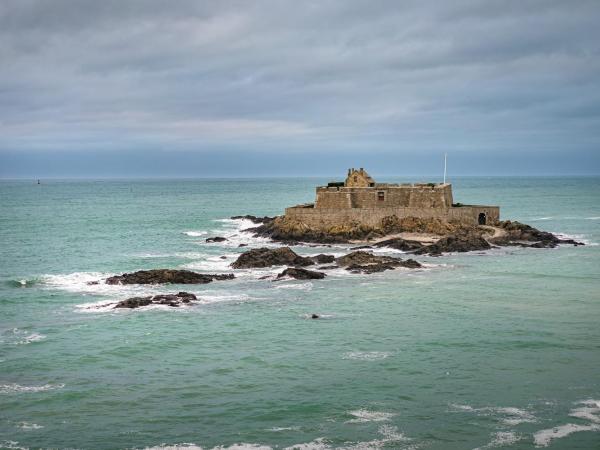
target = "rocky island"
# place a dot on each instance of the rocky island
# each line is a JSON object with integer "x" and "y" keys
{"x": 421, "y": 218}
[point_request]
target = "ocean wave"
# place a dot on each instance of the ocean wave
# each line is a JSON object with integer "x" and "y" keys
{"x": 507, "y": 415}
{"x": 536, "y": 219}
{"x": 22, "y": 283}
{"x": 13, "y": 388}
{"x": 363, "y": 415}
{"x": 575, "y": 237}
{"x": 33, "y": 337}
{"x": 593, "y": 218}
{"x": 16, "y": 336}
{"x": 543, "y": 438}
{"x": 297, "y": 286}
{"x": 12, "y": 445}
{"x": 195, "y": 233}
{"x": 502, "y": 439}
{"x": 29, "y": 426}
{"x": 366, "y": 356}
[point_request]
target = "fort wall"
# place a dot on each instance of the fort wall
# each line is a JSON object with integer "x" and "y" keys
{"x": 325, "y": 218}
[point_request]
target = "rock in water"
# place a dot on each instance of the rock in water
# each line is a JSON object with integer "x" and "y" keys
{"x": 254, "y": 219}
{"x": 314, "y": 316}
{"x": 465, "y": 241}
{"x": 518, "y": 233}
{"x": 174, "y": 300}
{"x": 365, "y": 262}
{"x": 216, "y": 239}
{"x": 301, "y": 274}
{"x": 400, "y": 244}
{"x": 161, "y": 276}
{"x": 266, "y": 257}
{"x": 323, "y": 259}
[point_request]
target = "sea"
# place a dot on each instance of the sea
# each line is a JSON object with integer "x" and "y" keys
{"x": 489, "y": 349}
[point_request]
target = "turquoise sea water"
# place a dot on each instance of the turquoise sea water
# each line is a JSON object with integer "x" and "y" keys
{"x": 481, "y": 350}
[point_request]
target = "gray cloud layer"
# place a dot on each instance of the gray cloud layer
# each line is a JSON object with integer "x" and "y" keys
{"x": 322, "y": 76}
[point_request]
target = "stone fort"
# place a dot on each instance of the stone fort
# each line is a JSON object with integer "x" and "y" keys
{"x": 360, "y": 200}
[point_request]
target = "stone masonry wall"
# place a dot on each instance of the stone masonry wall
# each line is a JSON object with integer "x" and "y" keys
{"x": 324, "y": 218}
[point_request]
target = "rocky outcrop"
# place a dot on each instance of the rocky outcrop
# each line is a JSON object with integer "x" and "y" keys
{"x": 162, "y": 276}
{"x": 174, "y": 300}
{"x": 216, "y": 239}
{"x": 399, "y": 244}
{"x": 290, "y": 231}
{"x": 254, "y": 219}
{"x": 365, "y": 262}
{"x": 323, "y": 259}
{"x": 520, "y": 234}
{"x": 301, "y": 274}
{"x": 466, "y": 240}
{"x": 267, "y": 257}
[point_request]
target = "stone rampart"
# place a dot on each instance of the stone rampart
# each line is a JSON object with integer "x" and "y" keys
{"x": 325, "y": 218}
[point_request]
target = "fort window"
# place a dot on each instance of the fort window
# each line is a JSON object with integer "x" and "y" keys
{"x": 381, "y": 196}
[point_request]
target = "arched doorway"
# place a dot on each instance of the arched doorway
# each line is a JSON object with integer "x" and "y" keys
{"x": 482, "y": 219}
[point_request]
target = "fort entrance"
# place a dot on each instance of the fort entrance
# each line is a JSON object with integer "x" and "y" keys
{"x": 482, "y": 219}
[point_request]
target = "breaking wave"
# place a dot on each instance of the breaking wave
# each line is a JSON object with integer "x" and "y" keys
{"x": 366, "y": 356}
{"x": 14, "y": 388}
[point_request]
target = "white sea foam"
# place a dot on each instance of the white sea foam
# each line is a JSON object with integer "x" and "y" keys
{"x": 543, "y": 438}
{"x": 195, "y": 233}
{"x": 13, "y": 388}
{"x": 507, "y": 415}
{"x": 540, "y": 218}
{"x": 366, "y": 356}
{"x": 297, "y": 286}
{"x": 576, "y": 237}
{"x": 502, "y": 439}
{"x": 593, "y": 218}
{"x": 29, "y": 426}
{"x": 33, "y": 337}
{"x": 280, "y": 429}
{"x": 363, "y": 415}
{"x": 12, "y": 445}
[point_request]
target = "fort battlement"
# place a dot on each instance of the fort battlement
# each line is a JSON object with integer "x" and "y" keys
{"x": 360, "y": 200}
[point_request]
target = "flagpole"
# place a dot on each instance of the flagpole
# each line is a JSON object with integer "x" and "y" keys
{"x": 445, "y": 156}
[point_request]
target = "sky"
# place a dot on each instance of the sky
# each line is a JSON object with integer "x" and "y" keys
{"x": 119, "y": 88}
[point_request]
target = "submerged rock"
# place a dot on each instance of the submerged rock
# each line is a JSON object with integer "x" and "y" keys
{"x": 365, "y": 262}
{"x": 216, "y": 239}
{"x": 174, "y": 300}
{"x": 464, "y": 241}
{"x": 399, "y": 244}
{"x": 266, "y": 257}
{"x": 161, "y": 276}
{"x": 314, "y": 316}
{"x": 301, "y": 274}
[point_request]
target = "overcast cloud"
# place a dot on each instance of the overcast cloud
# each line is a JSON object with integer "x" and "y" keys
{"x": 216, "y": 83}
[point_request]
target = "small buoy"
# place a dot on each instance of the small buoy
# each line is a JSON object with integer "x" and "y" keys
{"x": 39, "y": 182}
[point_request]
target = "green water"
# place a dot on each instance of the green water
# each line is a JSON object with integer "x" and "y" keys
{"x": 481, "y": 350}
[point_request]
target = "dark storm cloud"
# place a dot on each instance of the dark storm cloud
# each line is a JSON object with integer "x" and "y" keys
{"x": 490, "y": 77}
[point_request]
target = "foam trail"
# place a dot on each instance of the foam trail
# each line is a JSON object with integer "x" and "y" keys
{"x": 13, "y": 388}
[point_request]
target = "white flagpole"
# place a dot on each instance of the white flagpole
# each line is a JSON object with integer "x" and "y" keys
{"x": 445, "y": 155}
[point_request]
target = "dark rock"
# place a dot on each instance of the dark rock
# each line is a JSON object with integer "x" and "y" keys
{"x": 301, "y": 274}
{"x": 160, "y": 276}
{"x": 361, "y": 247}
{"x": 243, "y": 245}
{"x": 223, "y": 257}
{"x": 323, "y": 259}
{"x": 333, "y": 266}
{"x": 92, "y": 283}
{"x": 520, "y": 234}
{"x": 400, "y": 244}
{"x": 216, "y": 239}
{"x": 314, "y": 316}
{"x": 463, "y": 241}
{"x": 174, "y": 300}
{"x": 365, "y": 262}
{"x": 254, "y": 219}
{"x": 266, "y": 257}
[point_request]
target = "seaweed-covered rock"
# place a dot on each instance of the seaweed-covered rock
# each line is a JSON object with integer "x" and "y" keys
{"x": 400, "y": 244}
{"x": 517, "y": 233}
{"x": 266, "y": 257}
{"x": 174, "y": 300}
{"x": 463, "y": 241}
{"x": 216, "y": 239}
{"x": 161, "y": 276}
{"x": 365, "y": 262}
{"x": 323, "y": 259}
{"x": 254, "y": 219}
{"x": 301, "y": 274}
